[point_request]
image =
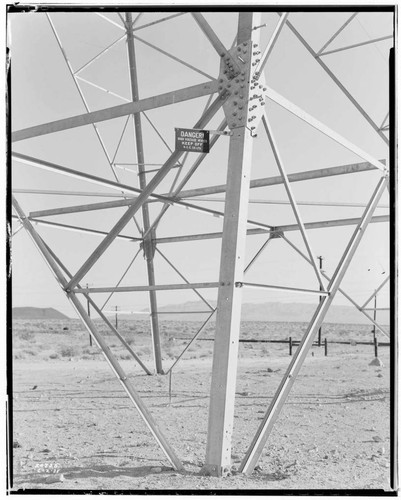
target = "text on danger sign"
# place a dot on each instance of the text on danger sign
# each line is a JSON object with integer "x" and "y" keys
{"x": 192, "y": 140}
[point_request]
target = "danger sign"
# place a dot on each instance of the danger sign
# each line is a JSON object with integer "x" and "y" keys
{"x": 187, "y": 139}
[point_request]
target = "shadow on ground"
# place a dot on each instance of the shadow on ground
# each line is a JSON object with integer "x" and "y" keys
{"x": 95, "y": 471}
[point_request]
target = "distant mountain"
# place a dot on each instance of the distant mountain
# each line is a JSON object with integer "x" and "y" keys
{"x": 301, "y": 312}
{"x": 268, "y": 311}
{"x": 37, "y": 313}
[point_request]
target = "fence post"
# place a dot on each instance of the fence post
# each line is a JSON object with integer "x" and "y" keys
{"x": 325, "y": 346}
{"x": 169, "y": 385}
{"x": 290, "y": 345}
{"x": 376, "y": 347}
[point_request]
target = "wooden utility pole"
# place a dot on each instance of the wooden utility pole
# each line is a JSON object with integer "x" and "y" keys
{"x": 374, "y": 317}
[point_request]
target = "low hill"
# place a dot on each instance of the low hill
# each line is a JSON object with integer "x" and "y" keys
{"x": 37, "y": 313}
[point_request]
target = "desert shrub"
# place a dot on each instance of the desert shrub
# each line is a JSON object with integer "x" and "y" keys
{"x": 27, "y": 335}
{"x": 145, "y": 351}
{"x": 68, "y": 351}
{"x": 29, "y": 352}
{"x": 130, "y": 341}
{"x": 54, "y": 355}
{"x": 125, "y": 355}
{"x": 169, "y": 354}
{"x": 91, "y": 355}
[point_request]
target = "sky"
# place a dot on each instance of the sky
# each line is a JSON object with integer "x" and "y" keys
{"x": 43, "y": 90}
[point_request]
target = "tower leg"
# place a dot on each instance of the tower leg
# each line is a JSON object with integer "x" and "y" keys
{"x": 148, "y": 244}
{"x": 224, "y": 371}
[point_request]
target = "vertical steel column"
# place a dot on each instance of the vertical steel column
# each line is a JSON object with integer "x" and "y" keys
{"x": 224, "y": 371}
{"x": 255, "y": 449}
{"x": 148, "y": 243}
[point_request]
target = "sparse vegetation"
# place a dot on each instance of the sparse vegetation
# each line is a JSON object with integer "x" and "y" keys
{"x": 39, "y": 339}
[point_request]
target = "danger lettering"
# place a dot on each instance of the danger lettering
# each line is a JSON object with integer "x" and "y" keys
{"x": 190, "y": 140}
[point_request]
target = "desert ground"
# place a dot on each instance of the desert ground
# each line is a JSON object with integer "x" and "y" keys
{"x": 74, "y": 427}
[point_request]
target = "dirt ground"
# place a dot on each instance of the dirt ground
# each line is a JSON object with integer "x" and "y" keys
{"x": 74, "y": 424}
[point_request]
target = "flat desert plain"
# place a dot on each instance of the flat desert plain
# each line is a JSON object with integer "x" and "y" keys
{"x": 74, "y": 427}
